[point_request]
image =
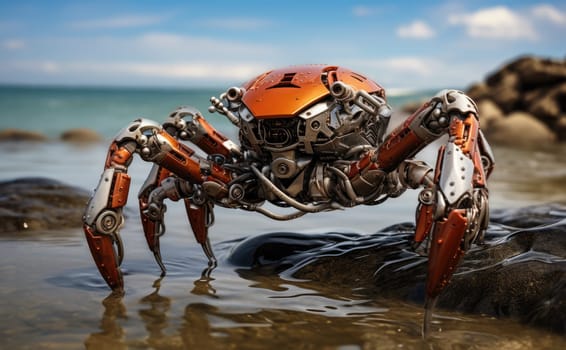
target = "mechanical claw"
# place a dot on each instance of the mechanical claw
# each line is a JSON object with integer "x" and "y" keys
{"x": 201, "y": 218}
{"x": 153, "y": 230}
{"x": 103, "y": 217}
{"x": 152, "y": 210}
{"x": 445, "y": 251}
{"x": 107, "y": 259}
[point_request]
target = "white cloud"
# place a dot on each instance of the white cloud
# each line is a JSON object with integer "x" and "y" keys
{"x": 13, "y": 44}
{"x": 416, "y": 65}
{"x": 364, "y": 11}
{"x": 549, "y": 13}
{"x": 167, "y": 44}
{"x": 416, "y": 30}
{"x": 126, "y": 21}
{"x": 410, "y": 65}
{"x": 192, "y": 70}
{"x": 35, "y": 67}
{"x": 402, "y": 73}
{"x": 211, "y": 71}
{"x": 495, "y": 23}
{"x": 236, "y": 23}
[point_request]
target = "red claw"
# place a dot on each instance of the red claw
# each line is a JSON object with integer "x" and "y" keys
{"x": 150, "y": 228}
{"x": 445, "y": 251}
{"x": 152, "y": 231}
{"x": 197, "y": 218}
{"x": 105, "y": 257}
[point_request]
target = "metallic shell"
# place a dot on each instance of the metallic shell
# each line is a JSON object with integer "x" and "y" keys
{"x": 283, "y": 93}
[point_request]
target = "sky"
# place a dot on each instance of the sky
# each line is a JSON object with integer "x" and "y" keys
{"x": 400, "y": 44}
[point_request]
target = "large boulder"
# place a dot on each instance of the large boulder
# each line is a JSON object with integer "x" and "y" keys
{"x": 537, "y": 72}
{"x": 520, "y": 129}
{"x": 38, "y": 204}
{"x": 519, "y": 272}
{"x": 490, "y": 113}
{"x": 532, "y": 85}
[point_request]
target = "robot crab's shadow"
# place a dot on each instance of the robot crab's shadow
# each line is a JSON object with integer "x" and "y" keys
{"x": 522, "y": 247}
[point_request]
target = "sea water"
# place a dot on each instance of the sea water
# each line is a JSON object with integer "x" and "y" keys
{"x": 52, "y": 110}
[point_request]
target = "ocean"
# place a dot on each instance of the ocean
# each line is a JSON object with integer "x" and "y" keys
{"x": 52, "y": 110}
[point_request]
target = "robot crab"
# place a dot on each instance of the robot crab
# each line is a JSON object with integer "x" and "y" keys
{"x": 312, "y": 139}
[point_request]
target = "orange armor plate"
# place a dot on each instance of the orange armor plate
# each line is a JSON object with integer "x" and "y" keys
{"x": 283, "y": 93}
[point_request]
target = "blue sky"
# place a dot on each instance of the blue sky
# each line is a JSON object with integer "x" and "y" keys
{"x": 400, "y": 44}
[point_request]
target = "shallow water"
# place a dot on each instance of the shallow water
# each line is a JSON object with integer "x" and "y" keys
{"x": 53, "y": 298}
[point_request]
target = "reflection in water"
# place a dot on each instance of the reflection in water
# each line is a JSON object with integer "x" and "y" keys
{"x": 335, "y": 298}
{"x": 524, "y": 177}
{"x": 155, "y": 320}
{"x": 111, "y": 335}
{"x": 258, "y": 308}
{"x": 50, "y": 295}
{"x": 338, "y": 321}
{"x": 155, "y": 317}
{"x": 203, "y": 286}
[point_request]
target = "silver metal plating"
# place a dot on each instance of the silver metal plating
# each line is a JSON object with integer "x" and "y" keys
{"x": 99, "y": 199}
{"x": 456, "y": 175}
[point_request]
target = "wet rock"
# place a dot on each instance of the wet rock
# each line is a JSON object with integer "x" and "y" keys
{"x": 34, "y": 204}
{"x": 519, "y": 272}
{"x": 17, "y": 135}
{"x": 81, "y": 135}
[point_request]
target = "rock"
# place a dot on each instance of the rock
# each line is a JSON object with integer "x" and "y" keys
{"x": 479, "y": 91}
{"x": 506, "y": 92}
{"x": 538, "y": 72}
{"x": 16, "y": 135}
{"x": 33, "y": 204}
{"x": 548, "y": 104}
{"x": 520, "y": 129}
{"x": 560, "y": 127}
{"x": 489, "y": 113}
{"x": 533, "y": 72}
{"x": 80, "y": 135}
{"x": 519, "y": 272}
{"x": 531, "y": 85}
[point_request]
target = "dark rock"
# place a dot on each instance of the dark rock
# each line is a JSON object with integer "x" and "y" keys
{"x": 532, "y": 85}
{"x": 538, "y": 72}
{"x": 16, "y": 135}
{"x": 519, "y": 272}
{"x": 80, "y": 135}
{"x": 549, "y": 105}
{"x": 33, "y": 204}
{"x": 560, "y": 127}
{"x": 479, "y": 91}
{"x": 533, "y": 72}
{"x": 506, "y": 92}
